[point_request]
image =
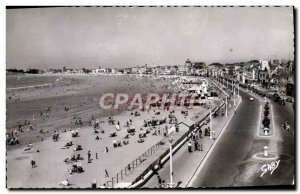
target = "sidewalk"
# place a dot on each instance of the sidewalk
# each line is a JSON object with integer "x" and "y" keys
{"x": 185, "y": 164}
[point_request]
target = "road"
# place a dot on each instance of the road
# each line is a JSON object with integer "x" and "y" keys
{"x": 232, "y": 163}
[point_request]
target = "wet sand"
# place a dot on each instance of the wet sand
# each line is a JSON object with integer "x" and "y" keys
{"x": 81, "y": 93}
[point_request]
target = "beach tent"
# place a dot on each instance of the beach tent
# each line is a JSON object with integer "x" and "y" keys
{"x": 172, "y": 129}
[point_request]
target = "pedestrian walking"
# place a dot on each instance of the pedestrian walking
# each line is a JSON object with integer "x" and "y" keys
{"x": 190, "y": 147}
{"x": 200, "y": 133}
{"x": 196, "y": 145}
{"x": 193, "y": 137}
{"x": 106, "y": 173}
{"x": 96, "y": 155}
{"x": 106, "y": 149}
{"x": 159, "y": 180}
{"x": 201, "y": 147}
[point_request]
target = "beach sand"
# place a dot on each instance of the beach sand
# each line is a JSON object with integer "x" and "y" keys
{"x": 82, "y": 94}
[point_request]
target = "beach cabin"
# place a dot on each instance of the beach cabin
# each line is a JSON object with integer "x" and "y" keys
{"x": 195, "y": 89}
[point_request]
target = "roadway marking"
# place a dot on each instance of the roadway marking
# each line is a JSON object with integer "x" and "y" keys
{"x": 200, "y": 166}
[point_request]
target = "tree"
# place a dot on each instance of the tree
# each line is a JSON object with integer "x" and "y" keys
{"x": 32, "y": 71}
{"x": 266, "y": 122}
{"x": 15, "y": 70}
{"x": 266, "y": 113}
{"x": 267, "y": 108}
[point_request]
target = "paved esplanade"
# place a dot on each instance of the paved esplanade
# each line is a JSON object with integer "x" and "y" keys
{"x": 185, "y": 164}
{"x": 232, "y": 162}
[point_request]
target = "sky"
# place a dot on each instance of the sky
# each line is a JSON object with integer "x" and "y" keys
{"x": 93, "y": 37}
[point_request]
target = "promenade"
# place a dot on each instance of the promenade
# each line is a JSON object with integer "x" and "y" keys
{"x": 186, "y": 164}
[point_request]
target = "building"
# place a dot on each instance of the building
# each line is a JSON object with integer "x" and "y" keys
{"x": 263, "y": 78}
{"x": 264, "y": 65}
{"x": 99, "y": 71}
{"x": 199, "y": 65}
{"x": 183, "y": 70}
{"x": 290, "y": 89}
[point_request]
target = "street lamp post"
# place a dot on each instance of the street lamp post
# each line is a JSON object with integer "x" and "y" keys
{"x": 226, "y": 106}
{"x": 227, "y": 82}
{"x": 210, "y": 117}
{"x": 238, "y": 90}
{"x": 234, "y": 96}
{"x": 171, "y": 162}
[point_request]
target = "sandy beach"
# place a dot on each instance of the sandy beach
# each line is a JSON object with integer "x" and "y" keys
{"x": 80, "y": 94}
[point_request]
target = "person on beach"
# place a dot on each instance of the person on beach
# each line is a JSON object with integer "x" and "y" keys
{"x": 89, "y": 156}
{"x": 33, "y": 165}
{"x": 64, "y": 183}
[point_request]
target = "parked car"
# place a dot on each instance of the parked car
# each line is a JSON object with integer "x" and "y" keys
{"x": 269, "y": 95}
{"x": 251, "y": 99}
{"x": 276, "y": 97}
{"x": 281, "y": 101}
{"x": 288, "y": 99}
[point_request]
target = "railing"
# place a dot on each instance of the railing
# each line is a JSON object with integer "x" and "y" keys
{"x": 132, "y": 165}
{"x": 183, "y": 139}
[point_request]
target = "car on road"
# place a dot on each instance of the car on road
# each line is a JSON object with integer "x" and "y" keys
{"x": 251, "y": 99}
